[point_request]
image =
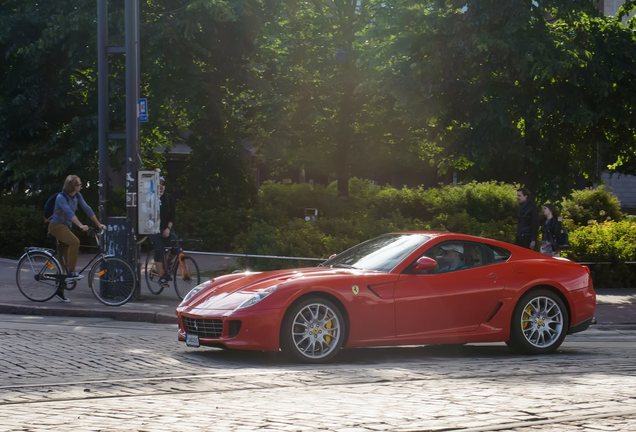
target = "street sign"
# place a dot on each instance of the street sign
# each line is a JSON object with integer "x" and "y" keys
{"x": 142, "y": 107}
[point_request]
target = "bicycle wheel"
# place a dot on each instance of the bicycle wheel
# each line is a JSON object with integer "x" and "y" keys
{"x": 38, "y": 275}
{"x": 112, "y": 281}
{"x": 186, "y": 275}
{"x": 151, "y": 275}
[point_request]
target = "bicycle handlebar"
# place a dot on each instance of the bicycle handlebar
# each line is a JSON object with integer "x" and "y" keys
{"x": 97, "y": 234}
{"x": 94, "y": 231}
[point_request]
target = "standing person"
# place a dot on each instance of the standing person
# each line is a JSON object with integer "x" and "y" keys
{"x": 63, "y": 218}
{"x": 166, "y": 233}
{"x": 528, "y": 220}
{"x": 550, "y": 231}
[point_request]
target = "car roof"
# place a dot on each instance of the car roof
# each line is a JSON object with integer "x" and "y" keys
{"x": 446, "y": 235}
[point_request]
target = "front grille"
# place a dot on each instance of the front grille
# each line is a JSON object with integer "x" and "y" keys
{"x": 205, "y": 328}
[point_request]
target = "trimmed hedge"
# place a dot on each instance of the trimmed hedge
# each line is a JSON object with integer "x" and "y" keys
{"x": 591, "y": 205}
{"x": 22, "y": 226}
{"x": 275, "y": 224}
{"x": 608, "y": 246}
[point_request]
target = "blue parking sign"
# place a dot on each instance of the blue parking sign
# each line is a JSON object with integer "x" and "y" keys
{"x": 142, "y": 107}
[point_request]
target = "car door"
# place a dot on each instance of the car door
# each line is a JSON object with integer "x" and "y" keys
{"x": 452, "y": 301}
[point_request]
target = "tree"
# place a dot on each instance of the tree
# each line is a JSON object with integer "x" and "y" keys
{"x": 517, "y": 91}
{"x": 195, "y": 73}
{"x": 47, "y": 84}
{"x": 193, "y": 57}
{"x": 308, "y": 73}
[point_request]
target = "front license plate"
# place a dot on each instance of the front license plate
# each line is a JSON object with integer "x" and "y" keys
{"x": 192, "y": 340}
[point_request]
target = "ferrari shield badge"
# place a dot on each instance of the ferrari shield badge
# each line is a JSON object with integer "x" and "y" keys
{"x": 355, "y": 290}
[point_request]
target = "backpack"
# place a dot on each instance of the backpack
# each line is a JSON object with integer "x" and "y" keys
{"x": 49, "y": 206}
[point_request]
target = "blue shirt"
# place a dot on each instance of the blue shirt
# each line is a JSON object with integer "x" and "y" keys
{"x": 66, "y": 206}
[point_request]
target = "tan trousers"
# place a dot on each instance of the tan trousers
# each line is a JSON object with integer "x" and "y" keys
{"x": 68, "y": 244}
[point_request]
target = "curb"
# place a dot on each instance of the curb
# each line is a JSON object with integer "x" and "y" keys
{"x": 614, "y": 326}
{"x": 117, "y": 315}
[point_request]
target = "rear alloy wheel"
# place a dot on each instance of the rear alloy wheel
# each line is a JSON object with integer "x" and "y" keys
{"x": 313, "y": 330}
{"x": 540, "y": 322}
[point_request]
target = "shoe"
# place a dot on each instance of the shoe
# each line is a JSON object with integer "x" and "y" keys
{"x": 165, "y": 278}
{"x": 73, "y": 276}
{"x": 61, "y": 298}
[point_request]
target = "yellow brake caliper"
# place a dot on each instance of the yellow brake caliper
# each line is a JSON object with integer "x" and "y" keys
{"x": 328, "y": 325}
{"x": 525, "y": 317}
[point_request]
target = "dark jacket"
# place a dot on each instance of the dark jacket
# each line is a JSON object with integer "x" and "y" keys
{"x": 550, "y": 231}
{"x": 166, "y": 211}
{"x": 528, "y": 222}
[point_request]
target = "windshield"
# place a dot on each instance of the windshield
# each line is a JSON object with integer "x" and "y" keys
{"x": 381, "y": 253}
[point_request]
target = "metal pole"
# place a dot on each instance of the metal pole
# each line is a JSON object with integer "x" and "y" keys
{"x": 132, "y": 125}
{"x": 102, "y": 106}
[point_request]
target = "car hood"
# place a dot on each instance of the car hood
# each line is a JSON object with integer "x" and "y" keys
{"x": 229, "y": 291}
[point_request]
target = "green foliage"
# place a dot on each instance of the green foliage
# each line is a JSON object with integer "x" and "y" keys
{"x": 209, "y": 230}
{"x": 277, "y": 202}
{"x": 343, "y": 232}
{"x": 591, "y": 205}
{"x": 607, "y": 246}
{"x": 47, "y": 94}
{"x": 607, "y": 241}
{"x": 193, "y": 71}
{"x": 22, "y": 226}
{"x": 498, "y": 89}
{"x": 295, "y": 238}
{"x": 485, "y": 209}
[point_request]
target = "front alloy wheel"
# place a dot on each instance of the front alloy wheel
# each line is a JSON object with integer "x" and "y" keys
{"x": 540, "y": 322}
{"x": 313, "y": 330}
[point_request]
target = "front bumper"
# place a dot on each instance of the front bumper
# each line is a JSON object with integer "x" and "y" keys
{"x": 245, "y": 330}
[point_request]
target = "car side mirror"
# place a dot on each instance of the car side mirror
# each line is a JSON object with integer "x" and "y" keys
{"x": 424, "y": 264}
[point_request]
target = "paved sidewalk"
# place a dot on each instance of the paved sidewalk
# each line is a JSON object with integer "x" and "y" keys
{"x": 616, "y": 307}
{"x": 147, "y": 307}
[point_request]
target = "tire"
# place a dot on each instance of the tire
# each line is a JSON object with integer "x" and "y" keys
{"x": 186, "y": 276}
{"x": 112, "y": 281}
{"x": 539, "y": 323}
{"x": 38, "y": 275}
{"x": 151, "y": 275}
{"x": 313, "y": 330}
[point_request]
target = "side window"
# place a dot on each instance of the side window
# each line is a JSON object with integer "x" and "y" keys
{"x": 496, "y": 254}
{"x": 449, "y": 256}
{"x": 459, "y": 255}
{"x": 474, "y": 255}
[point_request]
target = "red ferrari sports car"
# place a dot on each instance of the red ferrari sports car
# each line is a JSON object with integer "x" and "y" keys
{"x": 407, "y": 288}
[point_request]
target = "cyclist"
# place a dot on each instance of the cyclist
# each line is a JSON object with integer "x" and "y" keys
{"x": 166, "y": 233}
{"x": 63, "y": 218}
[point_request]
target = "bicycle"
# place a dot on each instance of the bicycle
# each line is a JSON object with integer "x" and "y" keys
{"x": 40, "y": 274}
{"x": 183, "y": 269}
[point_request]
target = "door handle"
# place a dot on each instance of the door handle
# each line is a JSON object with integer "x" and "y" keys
{"x": 492, "y": 275}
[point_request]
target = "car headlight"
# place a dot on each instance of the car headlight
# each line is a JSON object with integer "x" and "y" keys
{"x": 257, "y": 297}
{"x": 194, "y": 291}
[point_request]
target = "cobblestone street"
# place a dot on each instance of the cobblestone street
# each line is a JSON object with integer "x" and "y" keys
{"x": 61, "y": 373}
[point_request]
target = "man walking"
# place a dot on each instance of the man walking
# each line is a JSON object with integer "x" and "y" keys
{"x": 528, "y": 220}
